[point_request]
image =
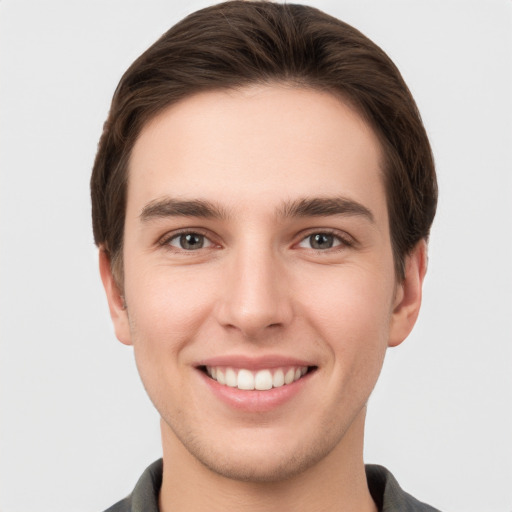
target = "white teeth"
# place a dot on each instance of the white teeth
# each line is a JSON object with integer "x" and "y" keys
{"x": 231, "y": 379}
{"x": 278, "y": 378}
{"x": 220, "y": 377}
{"x": 290, "y": 375}
{"x": 261, "y": 380}
{"x": 245, "y": 380}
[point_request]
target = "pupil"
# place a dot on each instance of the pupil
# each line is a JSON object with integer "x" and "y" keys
{"x": 191, "y": 241}
{"x": 321, "y": 241}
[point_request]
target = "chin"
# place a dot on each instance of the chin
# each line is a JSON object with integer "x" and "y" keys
{"x": 260, "y": 469}
{"x": 259, "y": 462}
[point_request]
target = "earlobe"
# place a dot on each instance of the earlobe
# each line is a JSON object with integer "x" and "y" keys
{"x": 408, "y": 295}
{"x": 115, "y": 299}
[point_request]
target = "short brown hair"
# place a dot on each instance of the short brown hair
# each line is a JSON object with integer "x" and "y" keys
{"x": 237, "y": 43}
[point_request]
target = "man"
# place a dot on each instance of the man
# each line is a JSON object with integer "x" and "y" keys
{"x": 262, "y": 196}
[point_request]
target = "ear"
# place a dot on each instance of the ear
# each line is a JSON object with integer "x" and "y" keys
{"x": 408, "y": 295}
{"x": 115, "y": 299}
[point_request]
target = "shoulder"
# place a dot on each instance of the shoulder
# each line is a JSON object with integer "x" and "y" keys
{"x": 388, "y": 495}
{"x": 121, "y": 506}
{"x": 144, "y": 497}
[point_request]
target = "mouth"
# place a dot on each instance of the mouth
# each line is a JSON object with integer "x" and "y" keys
{"x": 261, "y": 380}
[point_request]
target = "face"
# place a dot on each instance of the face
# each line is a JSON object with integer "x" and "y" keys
{"x": 258, "y": 277}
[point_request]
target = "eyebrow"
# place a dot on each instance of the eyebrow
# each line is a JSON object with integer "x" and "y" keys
{"x": 304, "y": 207}
{"x": 169, "y": 207}
{"x": 325, "y": 206}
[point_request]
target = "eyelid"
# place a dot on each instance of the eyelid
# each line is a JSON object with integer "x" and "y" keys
{"x": 344, "y": 238}
{"x": 164, "y": 240}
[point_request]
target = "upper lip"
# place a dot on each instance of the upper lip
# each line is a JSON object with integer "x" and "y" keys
{"x": 253, "y": 363}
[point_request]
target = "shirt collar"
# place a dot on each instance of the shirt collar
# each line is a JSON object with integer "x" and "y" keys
{"x": 383, "y": 486}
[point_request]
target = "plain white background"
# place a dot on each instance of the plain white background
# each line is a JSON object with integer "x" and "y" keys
{"x": 76, "y": 427}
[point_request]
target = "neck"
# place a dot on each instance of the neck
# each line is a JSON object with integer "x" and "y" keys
{"x": 335, "y": 483}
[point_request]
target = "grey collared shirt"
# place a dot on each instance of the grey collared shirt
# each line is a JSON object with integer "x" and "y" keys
{"x": 384, "y": 489}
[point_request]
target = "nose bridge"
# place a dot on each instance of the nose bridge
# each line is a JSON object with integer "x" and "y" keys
{"x": 255, "y": 297}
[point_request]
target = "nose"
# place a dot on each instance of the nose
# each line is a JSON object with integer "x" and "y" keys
{"x": 255, "y": 298}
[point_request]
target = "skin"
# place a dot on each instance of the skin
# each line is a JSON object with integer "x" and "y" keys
{"x": 258, "y": 287}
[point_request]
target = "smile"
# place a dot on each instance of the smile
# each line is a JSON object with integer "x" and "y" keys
{"x": 260, "y": 380}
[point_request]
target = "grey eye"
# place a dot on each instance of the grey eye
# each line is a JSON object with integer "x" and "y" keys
{"x": 321, "y": 241}
{"x": 189, "y": 241}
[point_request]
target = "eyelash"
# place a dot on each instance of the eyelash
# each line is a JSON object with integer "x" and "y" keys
{"x": 343, "y": 242}
{"x": 166, "y": 240}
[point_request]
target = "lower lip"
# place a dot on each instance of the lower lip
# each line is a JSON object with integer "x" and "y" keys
{"x": 255, "y": 400}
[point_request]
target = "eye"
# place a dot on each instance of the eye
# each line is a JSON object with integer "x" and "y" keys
{"x": 321, "y": 241}
{"x": 189, "y": 241}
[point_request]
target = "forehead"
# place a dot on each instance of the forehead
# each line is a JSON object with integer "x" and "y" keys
{"x": 256, "y": 144}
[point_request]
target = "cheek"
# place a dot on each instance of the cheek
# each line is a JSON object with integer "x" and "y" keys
{"x": 351, "y": 309}
{"x": 166, "y": 310}
{"x": 349, "y": 315}
{"x": 167, "y": 306}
